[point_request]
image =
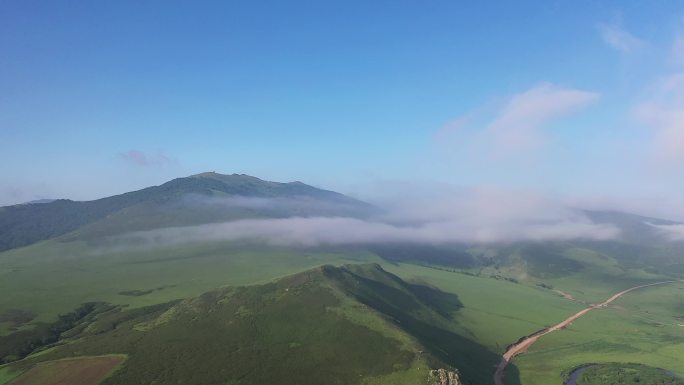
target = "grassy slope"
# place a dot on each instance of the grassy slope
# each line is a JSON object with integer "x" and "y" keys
{"x": 324, "y": 326}
{"x": 495, "y": 312}
{"x": 643, "y": 327}
{"x": 585, "y": 274}
{"x": 54, "y": 277}
{"x": 601, "y": 276}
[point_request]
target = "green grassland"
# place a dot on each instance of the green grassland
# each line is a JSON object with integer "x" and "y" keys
{"x": 461, "y": 304}
{"x": 323, "y": 326}
{"x": 495, "y": 312}
{"x": 587, "y": 275}
{"x": 54, "y": 277}
{"x": 7, "y": 374}
{"x": 498, "y": 312}
{"x": 626, "y": 374}
{"x": 641, "y": 327}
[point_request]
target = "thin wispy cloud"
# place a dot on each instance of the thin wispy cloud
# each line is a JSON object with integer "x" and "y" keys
{"x": 671, "y": 232}
{"x": 519, "y": 125}
{"x": 666, "y": 119}
{"x": 142, "y": 159}
{"x": 615, "y": 36}
{"x": 677, "y": 51}
{"x": 663, "y": 113}
{"x": 655, "y": 206}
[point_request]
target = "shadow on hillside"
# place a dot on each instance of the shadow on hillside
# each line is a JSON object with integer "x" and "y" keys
{"x": 512, "y": 375}
{"x": 452, "y": 256}
{"x": 445, "y": 304}
{"x": 474, "y": 361}
{"x": 405, "y": 305}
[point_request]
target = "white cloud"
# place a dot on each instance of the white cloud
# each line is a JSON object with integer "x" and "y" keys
{"x": 667, "y": 122}
{"x": 671, "y": 232}
{"x": 663, "y": 112}
{"x": 618, "y": 38}
{"x": 519, "y": 124}
{"x": 655, "y": 206}
{"x": 447, "y": 216}
{"x": 314, "y": 231}
{"x": 142, "y": 159}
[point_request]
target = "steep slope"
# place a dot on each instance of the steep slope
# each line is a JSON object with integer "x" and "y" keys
{"x": 347, "y": 325}
{"x": 201, "y": 198}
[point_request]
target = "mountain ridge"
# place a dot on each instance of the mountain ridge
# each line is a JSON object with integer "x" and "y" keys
{"x": 22, "y": 225}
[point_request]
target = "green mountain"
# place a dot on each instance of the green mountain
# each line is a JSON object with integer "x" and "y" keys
{"x": 355, "y": 324}
{"x": 202, "y": 198}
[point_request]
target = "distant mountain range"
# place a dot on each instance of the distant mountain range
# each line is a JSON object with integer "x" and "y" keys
{"x": 191, "y": 200}
{"x": 212, "y": 198}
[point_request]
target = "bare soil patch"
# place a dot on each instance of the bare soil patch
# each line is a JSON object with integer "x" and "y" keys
{"x": 72, "y": 371}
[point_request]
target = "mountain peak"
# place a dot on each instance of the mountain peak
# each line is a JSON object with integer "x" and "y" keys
{"x": 175, "y": 203}
{"x": 214, "y": 174}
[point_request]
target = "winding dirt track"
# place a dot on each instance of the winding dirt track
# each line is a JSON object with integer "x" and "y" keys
{"x": 524, "y": 343}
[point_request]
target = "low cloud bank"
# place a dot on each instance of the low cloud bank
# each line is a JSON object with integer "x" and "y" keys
{"x": 438, "y": 217}
{"x": 671, "y": 232}
{"x": 298, "y": 231}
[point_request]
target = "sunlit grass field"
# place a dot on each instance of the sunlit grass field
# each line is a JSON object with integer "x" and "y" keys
{"x": 641, "y": 327}
{"x": 495, "y": 312}
{"x": 52, "y": 277}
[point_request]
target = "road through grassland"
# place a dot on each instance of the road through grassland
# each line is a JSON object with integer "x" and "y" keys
{"x": 525, "y": 342}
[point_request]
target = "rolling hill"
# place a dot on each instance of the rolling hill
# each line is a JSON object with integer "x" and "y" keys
{"x": 72, "y": 288}
{"x": 329, "y": 325}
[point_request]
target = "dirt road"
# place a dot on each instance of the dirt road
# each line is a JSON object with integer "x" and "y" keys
{"x": 525, "y": 342}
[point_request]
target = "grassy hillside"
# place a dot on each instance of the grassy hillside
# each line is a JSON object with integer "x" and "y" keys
{"x": 585, "y": 274}
{"x": 458, "y": 304}
{"x": 585, "y": 270}
{"x": 495, "y": 312}
{"x": 54, "y": 277}
{"x": 347, "y": 325}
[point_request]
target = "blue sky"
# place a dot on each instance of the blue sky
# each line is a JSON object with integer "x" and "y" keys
{"x": 578, "y": 98}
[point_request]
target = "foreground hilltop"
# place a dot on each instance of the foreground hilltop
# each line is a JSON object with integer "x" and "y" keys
{"x": 197, "y": 199}
{"x": 329, "y": 325}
